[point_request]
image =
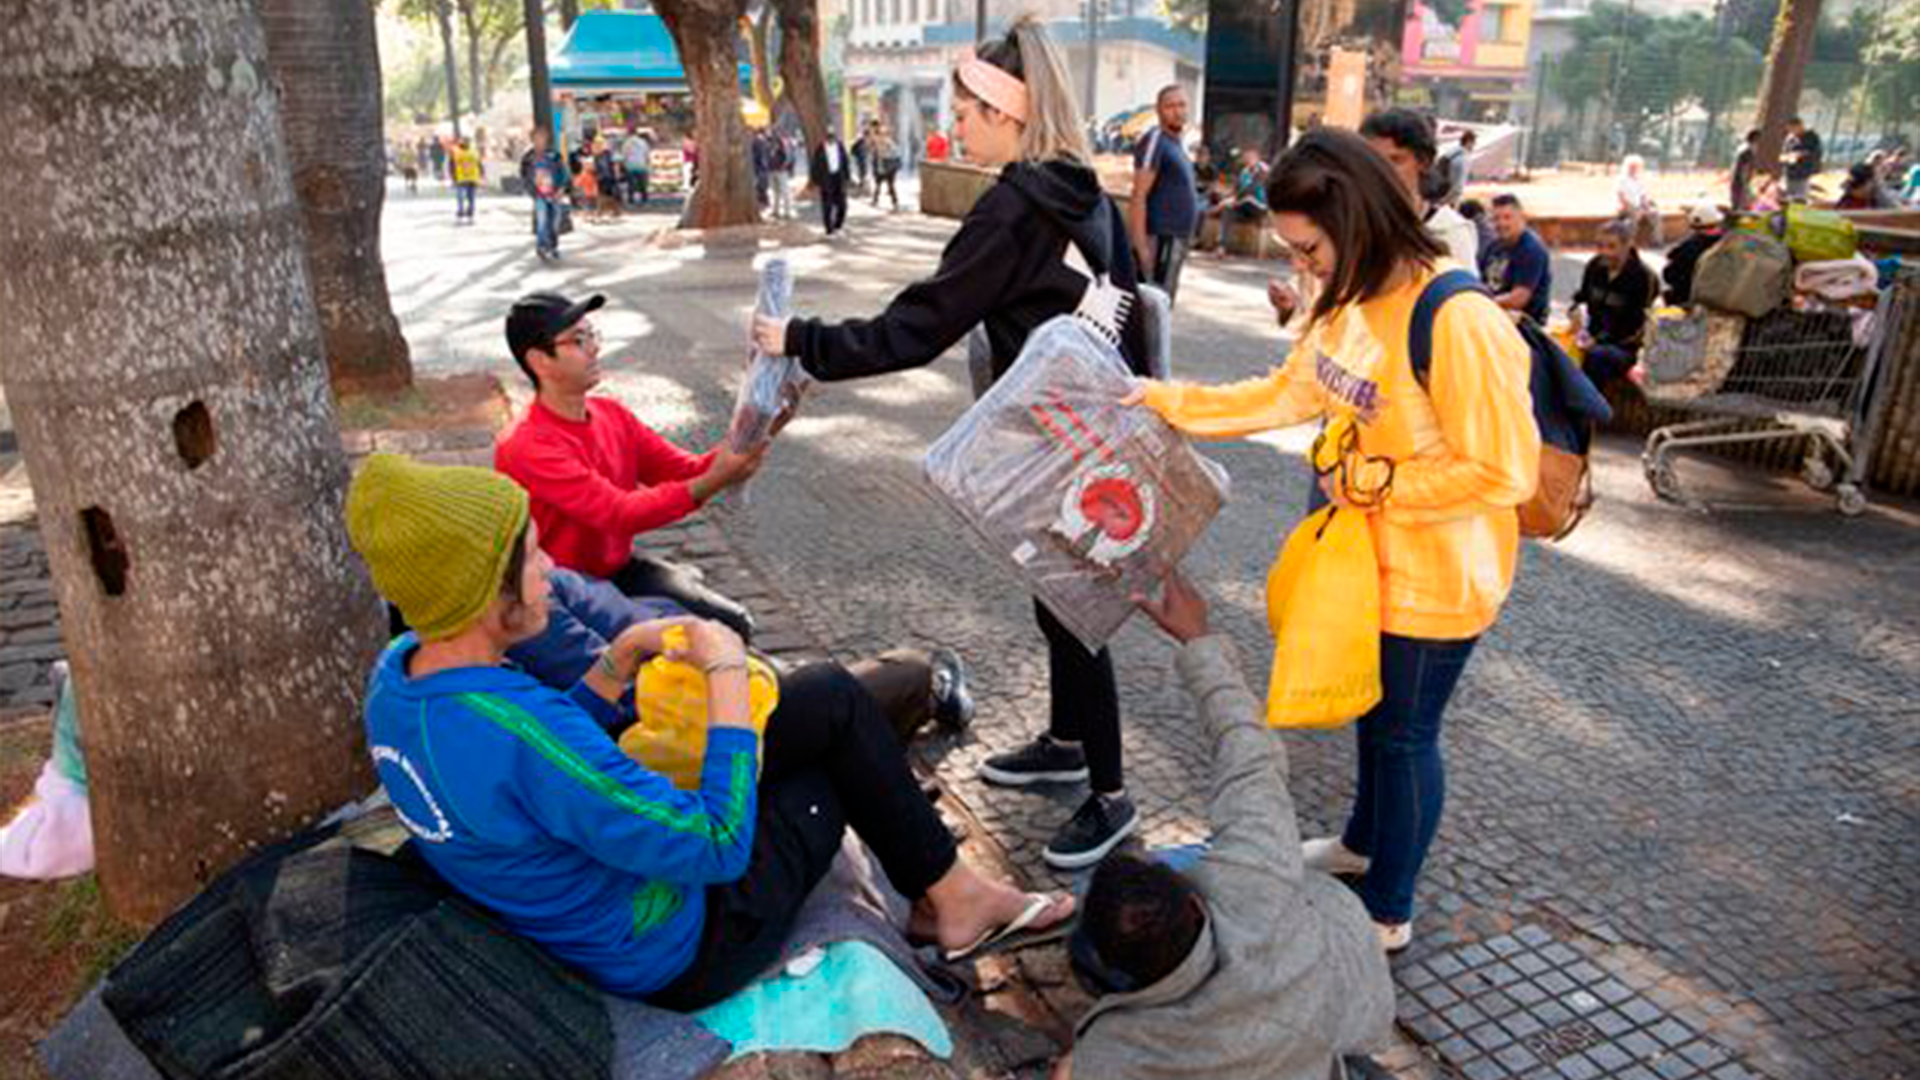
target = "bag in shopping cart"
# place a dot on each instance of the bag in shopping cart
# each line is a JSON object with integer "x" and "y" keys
{"x": 1690, "y": 356}
{"x": 1744, "y": 274}
{"x": 774, "y": 384}
{"x": 1089, "y": 502}
{"x": 1811, "y": 235}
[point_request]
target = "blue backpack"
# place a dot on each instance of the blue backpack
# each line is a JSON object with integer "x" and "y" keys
{"x": 1566, "y": 407}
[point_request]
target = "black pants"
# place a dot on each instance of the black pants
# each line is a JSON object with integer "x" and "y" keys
{"x": 885, "y": 179}
{"x": 833, "y": 207}
{"x": 647, "y": 576}
{"x": 1086, "y": 703}
{"x": 831, "y": 762}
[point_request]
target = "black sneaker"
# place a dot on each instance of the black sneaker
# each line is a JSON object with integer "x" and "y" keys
{"x": 1041, "y": 761}
{"x": 952, "y": 700}
{"x": 1095, "y": 829}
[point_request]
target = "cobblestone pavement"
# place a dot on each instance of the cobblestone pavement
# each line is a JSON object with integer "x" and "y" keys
{"x": 1684, "y": 768}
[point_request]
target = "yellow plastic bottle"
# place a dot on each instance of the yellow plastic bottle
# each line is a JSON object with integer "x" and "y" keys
{"x": 670, "y": 699}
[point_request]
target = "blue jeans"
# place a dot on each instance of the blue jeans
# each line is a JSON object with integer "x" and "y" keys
{"x": 1403, "y": 783}
{"x": 463, "y": 200}
{"x": 546, "y": 225}
{"x": 1608, "y": 363}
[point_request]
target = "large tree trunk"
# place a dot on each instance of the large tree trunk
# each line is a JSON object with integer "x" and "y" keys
{"x": 443, "y": 15}
{"x": 569, "y": 12}
{"x": 164, "y": 366}
{"x": 1787, "y": 58}
{"x": 705, "y": 31}
{"x": 326, "y": 63}
{"x": 803, "y": 83}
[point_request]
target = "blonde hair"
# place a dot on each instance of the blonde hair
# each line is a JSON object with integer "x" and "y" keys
{"x": 1053, "y": 131}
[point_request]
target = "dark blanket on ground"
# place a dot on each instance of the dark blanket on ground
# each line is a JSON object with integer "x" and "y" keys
{"x": 320, "y": 958}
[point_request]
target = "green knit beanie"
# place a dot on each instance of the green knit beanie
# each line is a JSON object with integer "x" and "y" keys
{"x": 437, "y": 538}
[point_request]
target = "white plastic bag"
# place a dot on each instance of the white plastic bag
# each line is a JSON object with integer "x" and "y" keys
{"x": 1089, "y": 501}
{"x": 774, "y": 384}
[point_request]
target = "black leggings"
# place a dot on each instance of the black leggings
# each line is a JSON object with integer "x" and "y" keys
{"x": 646, "y": 576}
{"x": 1086, "y": 704}
{"x": 831, "y": 761}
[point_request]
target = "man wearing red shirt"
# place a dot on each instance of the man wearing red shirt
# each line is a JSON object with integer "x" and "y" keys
{"x": 597, "y": 475}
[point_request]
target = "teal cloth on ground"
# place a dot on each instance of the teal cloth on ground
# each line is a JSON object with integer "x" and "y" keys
{"x": 856, "y": 991}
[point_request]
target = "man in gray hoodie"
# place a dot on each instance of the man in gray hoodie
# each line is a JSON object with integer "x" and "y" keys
{"x": 1249, "y": 966}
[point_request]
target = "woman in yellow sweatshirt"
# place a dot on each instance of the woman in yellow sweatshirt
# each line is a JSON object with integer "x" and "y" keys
{"x": 1437, "y": 468}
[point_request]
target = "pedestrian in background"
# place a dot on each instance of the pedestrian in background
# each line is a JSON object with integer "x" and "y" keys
{"x": 1610, "y": 309}
{"x": 886, "y": 164}
{"x": 544, "y": 174}
{"x": 1635, "y": 204}
{"x": 1164, "y": 210}
{"x": 1405, "y": 138}
{"x": 862, "y": 156}
{"x": 638, "y": 154}
{"x": 1740, "y": 195}
{"x": 1457, "y": 165}
{"x": 467, "y": 173}
{"x": 782, "y": 174}
{"x": 829, "y": 169}
{"x": 1802, "y": 154}
{"x": 1518, "y": 267}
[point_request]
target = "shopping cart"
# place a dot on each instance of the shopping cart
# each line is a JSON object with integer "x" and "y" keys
{"x": 1793, "y": 376}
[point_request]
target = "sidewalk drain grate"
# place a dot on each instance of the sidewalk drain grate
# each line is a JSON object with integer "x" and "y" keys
{"x": 1529, "y": 1005}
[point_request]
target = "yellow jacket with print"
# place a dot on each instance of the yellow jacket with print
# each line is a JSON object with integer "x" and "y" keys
{"x": 1465, "y": 448}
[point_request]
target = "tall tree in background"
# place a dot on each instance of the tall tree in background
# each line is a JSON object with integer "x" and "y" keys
{"x": 443, "y": 18}
{"x": 803, "y": 84}
{"x": 1793, "y": 36}
{"x": 471, "y": 14}
{"x": 164, "y": 366}
{"x": 325, "y": 60}
{"x": 707, "y": 34}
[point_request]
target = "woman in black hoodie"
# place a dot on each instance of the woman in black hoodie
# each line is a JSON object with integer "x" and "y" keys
{"x": 1042, "y": 242}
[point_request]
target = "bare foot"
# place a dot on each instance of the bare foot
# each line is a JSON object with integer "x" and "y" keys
{"x": 964, "y": 906}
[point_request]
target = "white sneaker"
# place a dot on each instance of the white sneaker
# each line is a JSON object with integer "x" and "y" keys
{"x": 1329, "y": 856}
{"x": 1394, "y": 936}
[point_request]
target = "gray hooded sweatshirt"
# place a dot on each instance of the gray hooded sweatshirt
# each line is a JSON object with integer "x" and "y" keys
{"x": 1288, "y": 973}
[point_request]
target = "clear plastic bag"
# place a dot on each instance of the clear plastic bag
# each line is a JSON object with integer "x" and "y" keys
{"x": 774, "y": 384}
{"x": 1089, "y": 501}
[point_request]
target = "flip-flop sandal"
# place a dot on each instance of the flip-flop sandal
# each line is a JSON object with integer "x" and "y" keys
{"x": 1017, "y": 933}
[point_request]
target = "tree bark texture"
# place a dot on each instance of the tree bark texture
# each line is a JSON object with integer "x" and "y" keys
{"x": 163, "y": 363}
{"x": 539, "y": 81}
{"x": 325, "y": 62}
{"x": 1793, "y": 34}
{"x": 443, "y": 15}
{"x": 705, "y": 32}
{"x": 803, "y": 83}
{"x": 476, "y": 77}
{"x": 758, "y": 27}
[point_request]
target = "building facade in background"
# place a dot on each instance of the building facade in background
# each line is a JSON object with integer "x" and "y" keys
{"x": 899, "y": 55}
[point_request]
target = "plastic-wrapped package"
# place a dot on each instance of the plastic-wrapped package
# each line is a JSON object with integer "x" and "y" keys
{"x": 774, "y": 384}
{"x": 1089, "y": 501}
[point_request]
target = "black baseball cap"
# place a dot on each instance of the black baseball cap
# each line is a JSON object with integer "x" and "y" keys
{"x": 538, "y": 318}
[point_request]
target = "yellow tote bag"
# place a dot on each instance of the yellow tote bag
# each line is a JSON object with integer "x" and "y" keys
{"x": 670, "y": 698}
{"x": 1323, "y": 605}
